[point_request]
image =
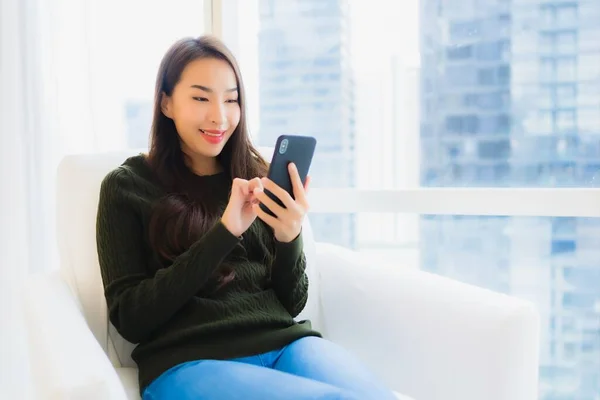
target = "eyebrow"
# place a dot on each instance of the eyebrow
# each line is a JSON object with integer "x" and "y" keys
{"x": 209, "y": 90}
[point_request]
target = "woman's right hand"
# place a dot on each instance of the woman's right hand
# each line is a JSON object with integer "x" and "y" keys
{"x": 239, "y": 214}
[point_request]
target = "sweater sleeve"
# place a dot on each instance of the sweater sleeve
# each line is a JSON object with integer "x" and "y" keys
{"x": 288, "y": 275}
{"x": 139, "y": 303}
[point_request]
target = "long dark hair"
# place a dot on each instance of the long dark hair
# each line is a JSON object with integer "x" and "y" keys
{"x": 179, "y": 219}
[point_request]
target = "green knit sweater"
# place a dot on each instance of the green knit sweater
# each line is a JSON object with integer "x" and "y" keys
{"x": 170, "y": 309}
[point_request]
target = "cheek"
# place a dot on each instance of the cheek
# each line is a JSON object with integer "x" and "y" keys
{"x": 186, "y": 118}
{"x": 191, "y": 113}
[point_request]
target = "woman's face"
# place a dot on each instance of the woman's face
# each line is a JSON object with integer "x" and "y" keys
{"x": 204, "y": 107}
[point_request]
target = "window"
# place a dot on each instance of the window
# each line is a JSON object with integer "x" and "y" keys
{"x": 565, "y": 120}
{"x": 579, "y": 301}
{"x": 545, "y": 97}
{"x": 503, "y": 74}
{"x": 462, "y": 125}
{"x": 565, "y": 96}
{"x": 565, "y": 69}
{"x": 525, "y": 42}
{"x": 566, "y": 15}
{"x": 492, "y": 51}
{"x": 547, "y": 42}
{"x": 566, "y": 42}
{"x": 443, "y": 107}
{"x": 460, "y": 31}
{"x": 487, "y": 76}
{"x": 543, "y": 123}
{"x": 589, "y": 120}
{"x": 122, "y": 62}
{"x": 547, "y": 69}
{"x": 525, "y": 71}
{"x": 459, "y": 53}
{"x": 492, "y": 101}
{"x": 547, "y": 15}
{"x": 460, "y": 75}
{"x": 564, "y": 226}
{"x": 587, "y": 94}
{"x": 494, "y": 149}
{"x": 589, "y": 67}
{"x": 588, "y": 39}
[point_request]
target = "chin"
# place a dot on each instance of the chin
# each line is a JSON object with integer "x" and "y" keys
{"x": 209, "y": 150}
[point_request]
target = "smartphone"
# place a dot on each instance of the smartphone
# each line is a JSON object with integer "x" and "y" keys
{"x": 289, "y": 149}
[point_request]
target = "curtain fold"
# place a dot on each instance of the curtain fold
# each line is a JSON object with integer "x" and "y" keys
{"x": 21, "y": 231}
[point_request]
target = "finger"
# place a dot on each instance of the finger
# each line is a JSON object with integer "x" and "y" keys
{"x": 266, "y": 218}
{"x": 241, "y": 185}
{"x": 269, "y": 203}
{"x": 297, "y": 186}
{"x": 307, "y": 184}
{"x": 279, "y": 192}
{"x": 255, "y": 183}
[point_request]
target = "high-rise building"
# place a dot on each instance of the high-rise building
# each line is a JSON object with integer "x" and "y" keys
{"x": 306, "y": 88}
{"x": 511, "y": 97}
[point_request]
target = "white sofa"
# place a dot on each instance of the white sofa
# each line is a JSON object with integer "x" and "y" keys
{"x": 428, "y": 337}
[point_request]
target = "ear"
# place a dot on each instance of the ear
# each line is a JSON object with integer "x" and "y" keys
{"x": 166, "y": 105}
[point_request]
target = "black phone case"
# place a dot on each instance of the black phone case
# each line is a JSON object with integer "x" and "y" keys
{"x": 299, "y": 150}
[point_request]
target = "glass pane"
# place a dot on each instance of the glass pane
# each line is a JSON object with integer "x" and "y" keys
{"x": 312, "y": 68}
{"x": 445, "y": 93}
{"x": 126, "y": 41}
{"x": 552, "y": 262}
{"x": 565, "y": 69}
{"x": 588, "y": 38}
{"x": 566, "y": 42}
{"x": 566, "y": 15}
{"x": 566, "y": 95}
{"x": 589, "y": 67}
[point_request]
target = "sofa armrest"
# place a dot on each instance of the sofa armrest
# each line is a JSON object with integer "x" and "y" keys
{"x": 428, "y": 336}
{"x": 66, "y": 360}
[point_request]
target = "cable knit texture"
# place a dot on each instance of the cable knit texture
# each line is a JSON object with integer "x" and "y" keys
{"x": 174, "y": 311}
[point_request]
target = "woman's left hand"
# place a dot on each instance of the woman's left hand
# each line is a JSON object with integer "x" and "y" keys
{"x": 287, "y": 222}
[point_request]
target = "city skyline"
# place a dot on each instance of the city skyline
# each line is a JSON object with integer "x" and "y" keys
{"x": 500, "y": 108}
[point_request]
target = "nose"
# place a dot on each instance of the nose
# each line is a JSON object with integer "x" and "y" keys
{"x": 217, "y": 115}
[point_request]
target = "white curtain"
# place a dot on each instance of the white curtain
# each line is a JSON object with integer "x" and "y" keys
{"x": 51, "y": 106}
{"x": 70, "y": 71}
{"x": 21, "y": 146}
{"x": 15, "y": 129}
{"x": 45, "y": 112}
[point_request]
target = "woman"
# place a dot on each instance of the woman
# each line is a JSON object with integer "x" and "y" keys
{"x": 195, "y": 273}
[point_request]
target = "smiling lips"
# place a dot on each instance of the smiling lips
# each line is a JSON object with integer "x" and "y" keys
{"x": 212, "y": 136}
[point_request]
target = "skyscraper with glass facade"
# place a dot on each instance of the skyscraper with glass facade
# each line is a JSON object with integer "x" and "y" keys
{"x": 306, "y": 88}
{"x": 511, "y": 98}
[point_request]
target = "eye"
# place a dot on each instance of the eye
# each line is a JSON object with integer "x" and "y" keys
{"x": 232, "y": 101}
{"x": 200, "y": 98}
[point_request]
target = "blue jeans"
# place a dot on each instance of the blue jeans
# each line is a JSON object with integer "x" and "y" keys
{"x": 309, "y": 368}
